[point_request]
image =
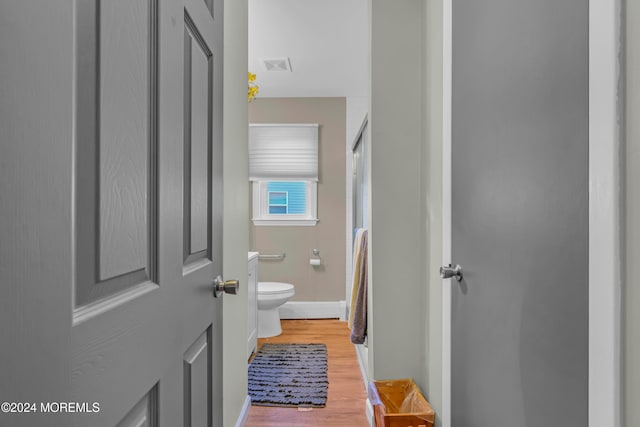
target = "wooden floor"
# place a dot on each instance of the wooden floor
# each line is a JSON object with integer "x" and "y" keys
{"x": 346, "y": 396}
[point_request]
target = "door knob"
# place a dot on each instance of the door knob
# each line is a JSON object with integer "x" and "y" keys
{"x": 449, "y": 272}
{"x": 226, "y": 286}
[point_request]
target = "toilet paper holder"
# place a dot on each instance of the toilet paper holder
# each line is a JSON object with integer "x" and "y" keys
{"x": 315, "y": 261}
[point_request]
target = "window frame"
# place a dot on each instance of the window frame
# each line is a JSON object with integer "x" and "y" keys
{"x": 262, "y": 217}
{"x": 285, "y": 205}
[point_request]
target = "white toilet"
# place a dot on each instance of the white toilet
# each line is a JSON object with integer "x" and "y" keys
{"x": 271, "y": 295}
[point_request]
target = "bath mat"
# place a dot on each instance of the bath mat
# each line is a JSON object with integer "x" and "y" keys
{"x": 289, "y": 375}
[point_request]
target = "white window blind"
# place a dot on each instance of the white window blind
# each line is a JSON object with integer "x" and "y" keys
{"x": 283, "y": 151}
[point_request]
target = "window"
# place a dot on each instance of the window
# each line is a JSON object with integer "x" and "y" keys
{"x": 287, "y": 198}
{"x": 278, "y": 201}
{"x": 284, "y": 203}
{"x": 283, "y": 166}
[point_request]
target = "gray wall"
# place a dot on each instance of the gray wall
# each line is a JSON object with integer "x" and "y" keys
{"x": 325, "y": 282}
{"x": 631, "y": 291}
{"x": 397, "y": 291}
{"x": 432, "y": 200}
{"x": 236, "y": 210}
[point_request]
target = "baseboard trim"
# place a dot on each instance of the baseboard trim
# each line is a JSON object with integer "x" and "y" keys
{"x": 362, "y": 353}
{"x": 314, "y": 310}
{"x": 370, "y": 416}
{"x": 244, "y": 413}
{"x": 363, "y": 362}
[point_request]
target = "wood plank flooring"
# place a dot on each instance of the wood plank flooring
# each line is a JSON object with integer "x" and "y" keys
{"x": 346, "y": 399}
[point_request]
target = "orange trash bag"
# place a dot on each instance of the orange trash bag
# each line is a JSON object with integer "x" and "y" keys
{"x": 399, "y": 403}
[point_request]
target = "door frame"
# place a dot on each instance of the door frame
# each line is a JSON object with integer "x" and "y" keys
{"x": 605, "y": 262}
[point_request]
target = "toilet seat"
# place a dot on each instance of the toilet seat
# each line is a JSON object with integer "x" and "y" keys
{"x": 274, "y": 288}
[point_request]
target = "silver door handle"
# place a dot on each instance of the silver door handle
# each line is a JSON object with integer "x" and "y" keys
{"x": 449, "y": 272}
{"x": 225, "y": 286}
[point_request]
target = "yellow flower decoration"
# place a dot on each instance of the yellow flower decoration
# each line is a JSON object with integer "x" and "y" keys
{"x": 252, "y": 86}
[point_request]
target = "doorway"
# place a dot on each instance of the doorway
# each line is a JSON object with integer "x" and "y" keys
{"x": 583, "y": 334}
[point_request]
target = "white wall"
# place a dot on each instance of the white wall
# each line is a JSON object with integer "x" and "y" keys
{"x": 406, "y": 150}
{"x": 357, "y": 108}
{"x": 396, "y": 253}
{"x": 236, "y": 207}
{"x": 631, "y": 317}
{"x": 432, "y": 200}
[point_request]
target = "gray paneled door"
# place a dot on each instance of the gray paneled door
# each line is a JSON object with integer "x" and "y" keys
{"x": 519, "y": 340}
{"x": 146, "y": 332}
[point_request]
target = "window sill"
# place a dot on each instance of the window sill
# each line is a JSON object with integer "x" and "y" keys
{"x": 285, "y": 222}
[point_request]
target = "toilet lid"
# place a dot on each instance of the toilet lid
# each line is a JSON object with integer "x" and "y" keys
{"x": 273, "y": 288}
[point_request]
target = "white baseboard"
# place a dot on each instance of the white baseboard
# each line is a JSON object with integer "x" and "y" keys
{"x": 244, "y": 413}
{"x": 362, "y": 353}
{"x": 370, "y": 416}
{"x": 314, "y": 310}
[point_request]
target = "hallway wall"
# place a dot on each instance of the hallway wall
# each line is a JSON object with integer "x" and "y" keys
{"x": 631, "y": 286}
{"x": 432, "y": 200}
{"x": 325, "y": 282}
{"x": 396, "y": 244}
{"x": 236, "y": 209}
{"x": 429, "y": 340}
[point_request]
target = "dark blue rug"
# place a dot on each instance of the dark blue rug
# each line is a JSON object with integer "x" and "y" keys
{"x": 289, "y": 375}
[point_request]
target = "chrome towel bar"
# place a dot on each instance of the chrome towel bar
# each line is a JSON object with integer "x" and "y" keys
{"x": 273, "y": 256}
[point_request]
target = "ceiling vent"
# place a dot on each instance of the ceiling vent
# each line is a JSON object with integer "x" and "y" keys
{"x": 277, "y": 64}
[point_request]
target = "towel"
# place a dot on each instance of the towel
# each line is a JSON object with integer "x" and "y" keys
{"x": 355, "y": 275}
{"x": 359, "y": 309}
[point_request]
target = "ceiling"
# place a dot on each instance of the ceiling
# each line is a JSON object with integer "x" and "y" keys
{"x": 326, "y": 42}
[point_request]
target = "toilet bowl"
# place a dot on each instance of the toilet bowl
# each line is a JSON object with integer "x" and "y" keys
{"x": 271, "y": 295}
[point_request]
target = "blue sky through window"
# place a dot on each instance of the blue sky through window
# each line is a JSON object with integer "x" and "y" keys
{"x": 287, "y": 197}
